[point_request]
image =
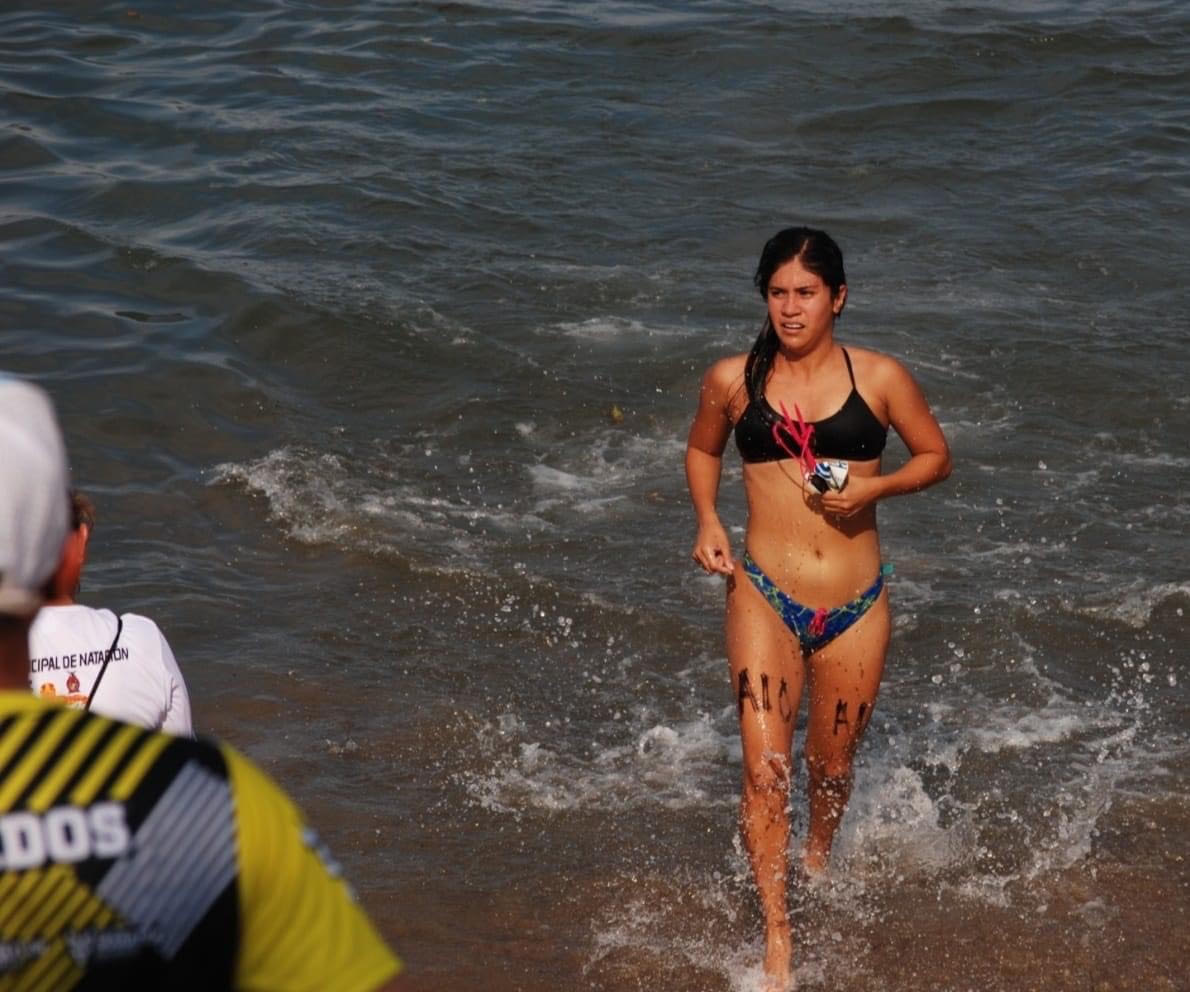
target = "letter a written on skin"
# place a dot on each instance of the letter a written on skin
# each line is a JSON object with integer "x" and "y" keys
{"x": 746, "y": 692}
{"x": 841, "y": 717}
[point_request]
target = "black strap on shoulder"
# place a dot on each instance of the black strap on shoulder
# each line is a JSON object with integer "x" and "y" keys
{"x": 106, "y": 658}
{"x": 847, "y": 359}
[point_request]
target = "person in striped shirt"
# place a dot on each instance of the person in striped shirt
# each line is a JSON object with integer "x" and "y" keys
{"x": 136, "y": 859}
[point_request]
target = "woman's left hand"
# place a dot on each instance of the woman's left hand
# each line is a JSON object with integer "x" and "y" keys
{"x": 861, "y": 491}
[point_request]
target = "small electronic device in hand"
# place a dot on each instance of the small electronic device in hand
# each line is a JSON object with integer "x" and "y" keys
{"x": 828, "y": 475}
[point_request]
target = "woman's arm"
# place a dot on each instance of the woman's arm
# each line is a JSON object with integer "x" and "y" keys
{"x": 929, "y": 455}
{"x": 704, "y": 466}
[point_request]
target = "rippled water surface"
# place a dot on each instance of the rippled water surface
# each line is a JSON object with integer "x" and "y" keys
{"x": 376, "y": 329}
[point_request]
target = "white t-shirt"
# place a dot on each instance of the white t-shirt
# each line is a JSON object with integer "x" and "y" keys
{"x": 142, "y": 683}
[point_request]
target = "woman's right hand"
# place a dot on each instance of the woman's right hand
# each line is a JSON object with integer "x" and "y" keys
{"x": 712, "y": 550}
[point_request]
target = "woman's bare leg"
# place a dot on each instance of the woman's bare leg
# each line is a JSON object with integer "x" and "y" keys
{"x": 844, "y": 681}
{"x": 767, "y": 674}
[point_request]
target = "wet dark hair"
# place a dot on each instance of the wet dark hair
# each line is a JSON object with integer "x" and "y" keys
{"x": 817, "y": 251}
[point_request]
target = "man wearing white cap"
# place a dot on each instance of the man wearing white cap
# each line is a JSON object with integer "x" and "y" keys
{"x": 134, "y": 859}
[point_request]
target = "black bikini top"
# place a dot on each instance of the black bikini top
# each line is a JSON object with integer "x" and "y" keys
{"x": 851, "y": 433}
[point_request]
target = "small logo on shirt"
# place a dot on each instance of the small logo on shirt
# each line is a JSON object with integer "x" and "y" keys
{"x": 72, "y": 698}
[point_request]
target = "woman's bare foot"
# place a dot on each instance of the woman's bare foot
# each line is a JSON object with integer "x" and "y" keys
{"x": 778, "y": 959}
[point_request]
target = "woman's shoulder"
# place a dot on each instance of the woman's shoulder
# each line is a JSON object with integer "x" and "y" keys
{"x": 723, "y": 385}
{"x": 875, "y": 368}
{"x": 727, "y": 372}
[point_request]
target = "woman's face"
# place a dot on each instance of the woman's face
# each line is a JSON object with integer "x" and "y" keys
{"x": 801, "y": 307}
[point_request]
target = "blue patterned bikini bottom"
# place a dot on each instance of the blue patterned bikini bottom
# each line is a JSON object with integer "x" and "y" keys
{"x": 814, "y": 629}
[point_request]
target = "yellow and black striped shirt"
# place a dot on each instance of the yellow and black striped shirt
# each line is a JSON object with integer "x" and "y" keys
{"x": 132, "y": 859}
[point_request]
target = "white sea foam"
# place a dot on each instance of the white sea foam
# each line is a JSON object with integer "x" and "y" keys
{"x": 959, "y": 430}
{"x": 1134, "y": 605}
{"x": 891, "y": 816}
{"x": 1161, "y": 460}
{"x": 910, "y": 595}
{"x": 614, "y": 329}
{"x": 323, "y": 499}
{"x": 671, "y": 765}
{"x": 1010, "y": 729}
{"x": 554, "y": 479}
{"x": 302, "y": 489}
{"x": 611, "y": 456}
{"x": 612, "y": 468}
{"x": 644, "y": 926}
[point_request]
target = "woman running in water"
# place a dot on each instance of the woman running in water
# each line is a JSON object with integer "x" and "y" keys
{"x": 806, "y": 604}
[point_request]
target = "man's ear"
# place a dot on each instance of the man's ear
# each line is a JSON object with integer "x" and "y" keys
{"x": 66, "y": 579}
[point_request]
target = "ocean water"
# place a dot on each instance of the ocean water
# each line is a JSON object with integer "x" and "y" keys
{"x": 376, "y": 328}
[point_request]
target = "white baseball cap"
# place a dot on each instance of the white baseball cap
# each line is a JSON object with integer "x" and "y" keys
{"x": 34, "y": 495}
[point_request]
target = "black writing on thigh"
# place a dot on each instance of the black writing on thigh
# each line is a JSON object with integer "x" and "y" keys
{"x": 841, "y": 716}
{"x": 765, "y": 702}
{"x": 784, "y": 704}
{"x": 861, "y": 719}
{"x": 745, "y": 692}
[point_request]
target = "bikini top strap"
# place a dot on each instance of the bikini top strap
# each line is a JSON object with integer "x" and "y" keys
{"x": 847, "y": 359}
